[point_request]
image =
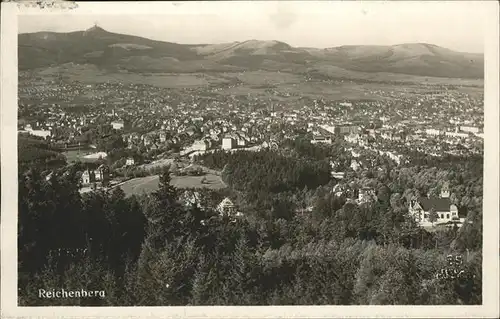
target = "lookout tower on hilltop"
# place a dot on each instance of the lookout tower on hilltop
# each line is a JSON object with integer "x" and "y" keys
{"x": 93, "y": 29}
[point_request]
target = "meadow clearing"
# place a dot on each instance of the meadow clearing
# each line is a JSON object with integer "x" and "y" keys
{"x": 149, "y": 184}
{"x": 76, "y": 155}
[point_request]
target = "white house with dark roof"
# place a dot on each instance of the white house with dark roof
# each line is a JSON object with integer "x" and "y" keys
{"x": 447, "y": 212}
{"x": 421, "y": 209}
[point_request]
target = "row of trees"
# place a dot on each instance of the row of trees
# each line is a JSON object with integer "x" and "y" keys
{"x": 270, "y": 172}
{"x": 53, "y": 216}
{"x": 33, "y": 150}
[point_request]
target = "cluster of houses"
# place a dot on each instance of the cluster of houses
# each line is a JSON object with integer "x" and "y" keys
{"x": 180, "y": 116}
{"x": 226, "y": 207}
{"x": 97, "y": 178}
{"x": 461, "y": 132}
{"x": 40, "y": 132}
{"x": 427, "y": 211}
{"x": 359, "y": 196}
{"x": 324, "y": 133}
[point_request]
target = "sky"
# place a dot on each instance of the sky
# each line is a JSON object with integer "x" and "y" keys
{"x": 457, "y": 25}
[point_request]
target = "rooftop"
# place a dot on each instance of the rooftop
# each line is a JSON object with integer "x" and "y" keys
{"x": 439, "y": 204}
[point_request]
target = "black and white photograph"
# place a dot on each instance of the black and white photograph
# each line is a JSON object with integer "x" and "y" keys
{"x": 252, "y": 154}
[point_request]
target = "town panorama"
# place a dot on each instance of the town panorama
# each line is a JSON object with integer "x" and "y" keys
{"x": 248, "y": 173}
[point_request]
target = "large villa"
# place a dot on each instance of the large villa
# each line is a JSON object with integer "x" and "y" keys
{"x": 446, "y": 212}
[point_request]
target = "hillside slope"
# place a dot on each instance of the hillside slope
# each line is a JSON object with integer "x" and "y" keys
{"x": 32, "y": 150}
{"x": 112, "y": 51}
{"x": 415, "y": 58}
{"x": 95, "y": 45}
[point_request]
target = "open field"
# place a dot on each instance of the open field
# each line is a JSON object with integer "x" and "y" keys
{"x": 149, "y": 184}
{"x": 75, "y": 155}
{"x": 213, "y": 181}
{"x": 339, "y": 73}
{"x": 277, "y": 86}
{"x": 338, "y": 91}
{"x": 264, "y": 77}
{"x": 157, "y": 163}
{"x": 141, "y": 185}
{"x": 91, "y": 74}
{"x": 325, "y": 91}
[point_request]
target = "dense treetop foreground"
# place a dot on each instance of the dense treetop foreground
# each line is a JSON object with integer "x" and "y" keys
{"x": 154, "y": 250}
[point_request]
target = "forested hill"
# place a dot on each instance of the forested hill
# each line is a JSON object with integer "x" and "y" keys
{"x": 33, "y": 150}
{"x": 113, "y": 51}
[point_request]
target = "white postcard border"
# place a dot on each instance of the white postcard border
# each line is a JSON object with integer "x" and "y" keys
{"x": 9, "y": 308}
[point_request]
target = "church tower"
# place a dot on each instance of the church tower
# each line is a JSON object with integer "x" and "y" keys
{"x": 445, "y": 191}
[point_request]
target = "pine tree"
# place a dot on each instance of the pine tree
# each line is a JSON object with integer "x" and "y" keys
{"x": 240, "y": 269}
{"x": 200, "y": 292}
{"x": 166, "y": 193}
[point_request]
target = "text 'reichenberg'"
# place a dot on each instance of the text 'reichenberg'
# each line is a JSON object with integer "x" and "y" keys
{"x": 62, "y": 293}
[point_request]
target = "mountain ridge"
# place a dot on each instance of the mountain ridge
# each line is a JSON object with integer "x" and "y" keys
{"x": 114, "y": 51}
